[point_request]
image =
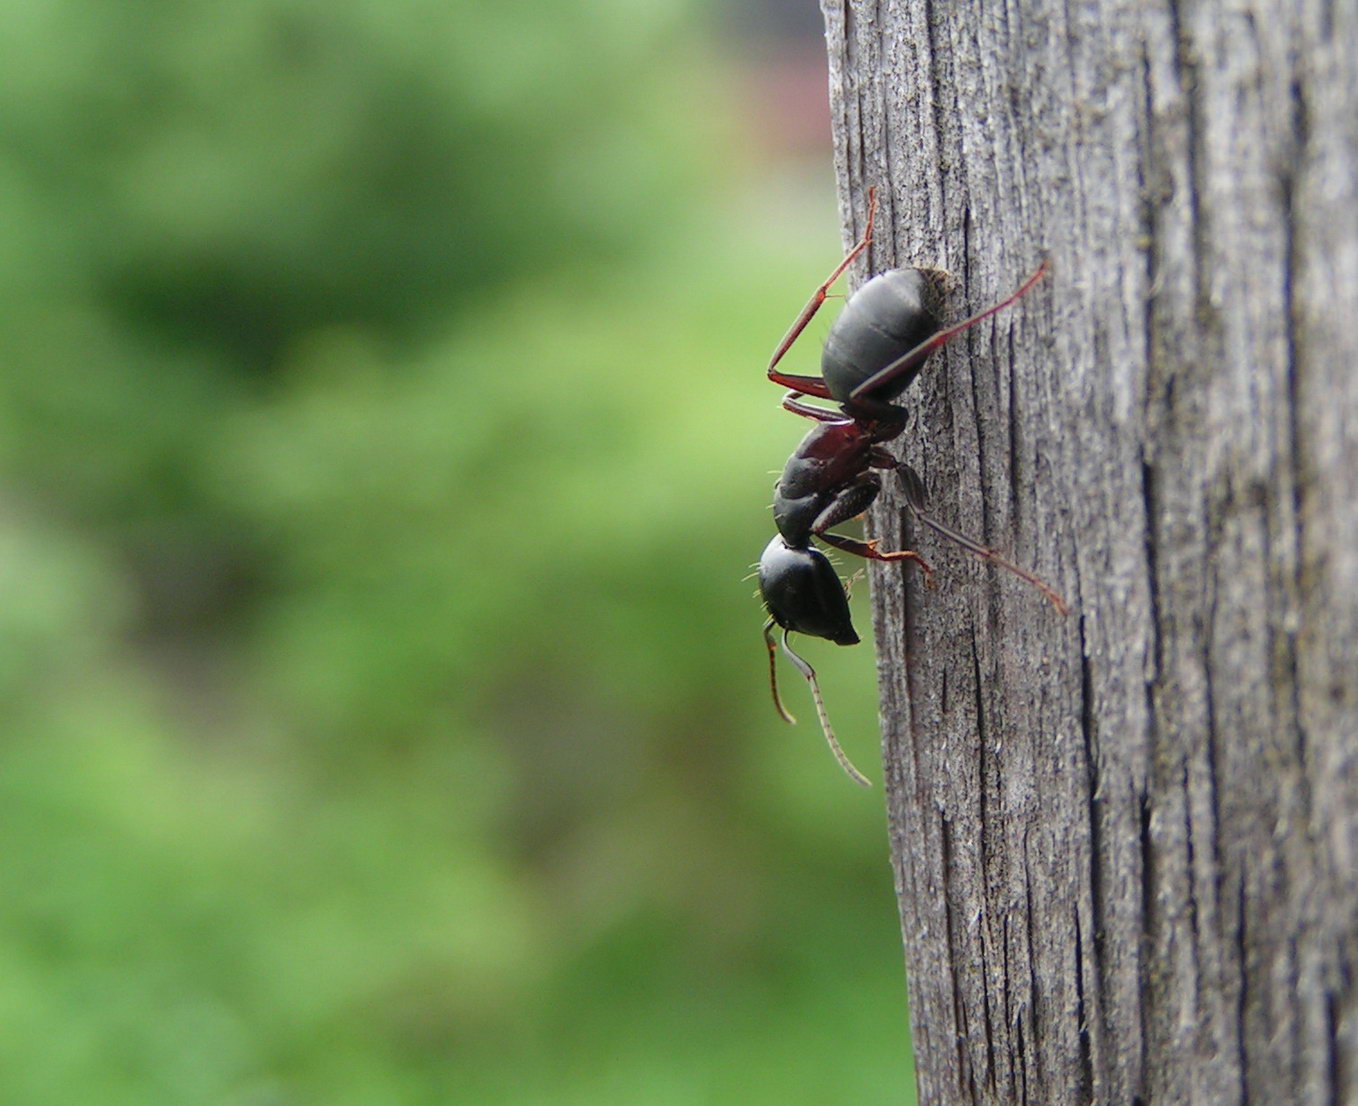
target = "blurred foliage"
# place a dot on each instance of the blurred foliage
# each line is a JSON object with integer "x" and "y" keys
{"x": 384, "y": 439}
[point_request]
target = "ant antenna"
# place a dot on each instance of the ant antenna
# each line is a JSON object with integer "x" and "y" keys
{"x": 810, "y": 674}
{"x": 773, "y": 674}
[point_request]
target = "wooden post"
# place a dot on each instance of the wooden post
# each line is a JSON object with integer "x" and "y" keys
{"x": 1126, "y": 842}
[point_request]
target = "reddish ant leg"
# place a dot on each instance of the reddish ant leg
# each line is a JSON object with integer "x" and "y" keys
{"x": 813, "y": 305}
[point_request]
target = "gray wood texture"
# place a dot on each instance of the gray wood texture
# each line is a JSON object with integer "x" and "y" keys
{"x": 1126, "y": 841}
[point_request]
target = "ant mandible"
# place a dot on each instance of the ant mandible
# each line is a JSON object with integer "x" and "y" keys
{"x": 873, "y": 352}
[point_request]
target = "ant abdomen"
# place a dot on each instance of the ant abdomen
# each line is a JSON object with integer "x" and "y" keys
{"x": 884, "y": 319}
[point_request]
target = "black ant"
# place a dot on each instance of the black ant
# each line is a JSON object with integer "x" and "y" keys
{"x": 873, "y": 352}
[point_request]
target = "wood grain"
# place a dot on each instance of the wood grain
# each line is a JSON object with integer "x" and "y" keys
{"x": 1125, "y": 842}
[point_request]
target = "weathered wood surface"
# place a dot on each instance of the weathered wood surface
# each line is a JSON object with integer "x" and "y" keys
{"x": 1126, "y": 842}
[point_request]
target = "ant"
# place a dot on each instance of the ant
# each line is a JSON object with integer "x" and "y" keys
{"x": 873, "y": 352}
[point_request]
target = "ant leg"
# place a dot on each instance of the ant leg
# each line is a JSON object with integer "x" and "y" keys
{"x": 803, "y": 385}
{"x": 868, "y": 551}
{"x": 914, "y": 357}
{"x": 791, "y": 402}
{"x": 914, "y": 499}
{"x": 810, "y": 673}
{"x": 818, "y": 298}
{"x": 854, "y": 500}
{"x": 773, "y": 672}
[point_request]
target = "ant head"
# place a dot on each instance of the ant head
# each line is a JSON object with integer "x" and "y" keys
{"x": 802, "y": 593}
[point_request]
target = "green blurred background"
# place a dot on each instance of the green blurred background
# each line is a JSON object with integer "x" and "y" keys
{"x": 385, "y": 448}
